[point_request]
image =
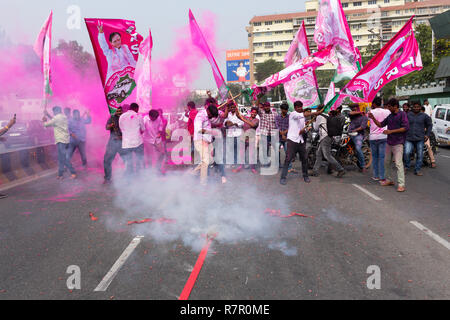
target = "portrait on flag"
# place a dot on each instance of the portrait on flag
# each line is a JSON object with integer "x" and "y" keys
{"x": 116, "y": 47}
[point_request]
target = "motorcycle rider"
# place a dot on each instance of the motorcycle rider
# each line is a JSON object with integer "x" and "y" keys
{"x": 329, "y": 127}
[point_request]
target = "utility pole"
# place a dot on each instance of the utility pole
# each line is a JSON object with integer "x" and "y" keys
{"x": 432, "y": 45}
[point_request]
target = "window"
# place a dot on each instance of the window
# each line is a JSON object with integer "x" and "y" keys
{"x": 387, "y": 1}
{"x": 345, "y": 5}
{"x": 268, "y": 23}
{"x": 372, "y": 2}
{"x": 357, "y": 4}
{"x": 440, "y": 114}
{"x": 298, "y": 22}
{"x": 270, "y": 54}
{"x": 278, "y": 32}
{"x": 256, "y": 24}
{"x": 288, "y": 31}
{"x": 268, "y": 33}
{"x": 279, "y": 21}
{"x": 448, "y": 115}
{"x": 310, "y": 20}
{"x": 258, "y": 55}
{"x": 397, "y": 11}
{"x": 288, "y": 21}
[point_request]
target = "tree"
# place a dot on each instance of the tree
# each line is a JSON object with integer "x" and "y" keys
{"x": 81, "y": 60}
{"x": 267, "y": 68}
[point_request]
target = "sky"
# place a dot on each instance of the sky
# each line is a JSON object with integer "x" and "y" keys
{"x": 22, "y": 20}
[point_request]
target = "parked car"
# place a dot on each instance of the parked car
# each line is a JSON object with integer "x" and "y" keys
{"x": 27, "y": 134}
{"x": 441, "y": 124}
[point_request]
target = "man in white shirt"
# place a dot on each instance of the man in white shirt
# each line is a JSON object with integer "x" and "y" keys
{"x": 234, "y": 131}
{"x": 60, "y": 126}
{"x": 132, "y": 126}
{"x": 428, "y": 108}
{"x": 296, "y": 141}
{"x": 153, "y": 141}
{"x": 203, "y": 138}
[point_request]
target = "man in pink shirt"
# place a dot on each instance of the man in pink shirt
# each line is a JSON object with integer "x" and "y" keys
{"x": 378, "y": 140}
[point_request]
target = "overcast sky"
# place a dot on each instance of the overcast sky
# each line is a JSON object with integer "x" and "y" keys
{"x": 22, "y": 19}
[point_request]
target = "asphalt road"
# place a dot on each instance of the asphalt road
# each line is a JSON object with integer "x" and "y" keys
{"x": 352, "y": 224}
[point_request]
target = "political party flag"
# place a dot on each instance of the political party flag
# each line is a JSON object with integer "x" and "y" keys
{"x": 301, "y": 88}
{"x": 397, "y": 58}
{"x": 144, "y": 83}
{"x": 43, "y": 47}
{"x": 298, "y": 69}
{"x": 199, "y": 40}
{"x": 116, "y": 47}
{"x": 332, "y": 30}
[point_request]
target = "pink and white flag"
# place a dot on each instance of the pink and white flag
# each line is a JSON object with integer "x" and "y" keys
{"x": 332, "y": 29}
{"x": 43, "y": 47}
{"x": 400, "y": 56}
{"x": 301, "y": 88}
{"x": 298, "y": 69}
{"x": 116, "y": 47}
{"x": 199, "y": 40}
{"x": 144, "y": 83}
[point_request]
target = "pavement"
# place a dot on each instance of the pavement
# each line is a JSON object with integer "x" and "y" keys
{"x": 347, "y": 228}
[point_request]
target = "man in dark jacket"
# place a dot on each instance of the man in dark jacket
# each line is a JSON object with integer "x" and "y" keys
{"x": 420, "y": 126}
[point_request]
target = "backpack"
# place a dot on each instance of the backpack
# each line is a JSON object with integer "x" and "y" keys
{"x": 334, "y": 126}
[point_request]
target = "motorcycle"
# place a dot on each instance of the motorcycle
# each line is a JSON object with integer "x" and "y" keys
{"x": 342, "y": 149}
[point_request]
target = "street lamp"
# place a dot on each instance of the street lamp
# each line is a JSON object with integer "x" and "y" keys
{"x": 379, "y": 36}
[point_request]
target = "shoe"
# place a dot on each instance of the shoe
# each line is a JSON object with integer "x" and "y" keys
{"x": 375, "y": 179}
{"x": 433, "y": 164}
{"x": 329, "y": 171}
{"x": 362, "y": 170}
{"x": 59, "y": 177}
{"x": 73, "y": 176}
{"x": 418, "y": 173}
{"x": 3, "y": 196}
{"x": 315, "y": 174}
{"x": 307, "y": 179}
{"x": 106, "y": 182}
{"x": 224, "y": 180}
{"x": 237, "y": 169}
{"x": 283, "y": 181}
{"x": 254, "y": 171}
{"x": 292, "y": 171}
{"x": 401, "y": 189}
{"x": 386, "y": 183}
{"x": 340, "y": 174}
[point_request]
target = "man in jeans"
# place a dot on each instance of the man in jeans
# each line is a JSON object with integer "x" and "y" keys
{"x": 77, "y": 130}
{"x": 60, "y": 126}
{"x": 329, "y": 127}
{"x": 358, "y": 125}
{"x": 420, "y": 126}
{"x": 132, "y": 126}
{"x": 397, "y": 126}
{"x": 282, "y": 124}
{"x": 114, "y": 145}
{"x": 378, "y": 140}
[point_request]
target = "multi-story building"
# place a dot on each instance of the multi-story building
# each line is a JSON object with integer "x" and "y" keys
{"x": 369, "y": 20}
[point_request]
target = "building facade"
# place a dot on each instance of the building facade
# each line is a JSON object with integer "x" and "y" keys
{"x": 374, "y": 21}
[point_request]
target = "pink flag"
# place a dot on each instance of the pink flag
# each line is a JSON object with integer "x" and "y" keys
{"x": 43, "y": 47}
{"x": 332, "y": 29}
{"x": 397, "y": 58}
{"x": 301, "y": 88}
{"x": 298, "y": 69}
{"x": 144, "y": 83}
{"x": 199, "y": 40}
{"x": 116, "y": 47}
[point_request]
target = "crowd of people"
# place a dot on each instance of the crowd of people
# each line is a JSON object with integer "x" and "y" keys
{"x": 394, "y": 135}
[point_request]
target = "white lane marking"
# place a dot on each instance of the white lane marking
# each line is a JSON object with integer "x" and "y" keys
{"x": 103, "y": 285}
{"x": 431, "y": 234}
{"x": 444, "y": 156}
{"x": 370, "y": 194}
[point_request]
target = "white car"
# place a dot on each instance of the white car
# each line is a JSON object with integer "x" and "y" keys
{"x": 441, "y": 124}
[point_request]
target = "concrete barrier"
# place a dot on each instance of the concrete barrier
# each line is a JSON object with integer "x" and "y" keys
{"x": 26, "y": 163}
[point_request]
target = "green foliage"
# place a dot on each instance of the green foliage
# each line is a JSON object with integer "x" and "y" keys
{"x": 267, "y": 68}
{"x": 82, "y": 61}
